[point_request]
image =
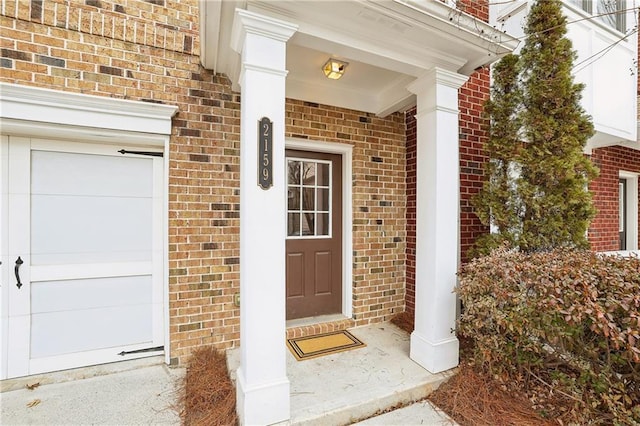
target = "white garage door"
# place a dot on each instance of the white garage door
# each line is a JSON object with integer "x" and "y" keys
{"x": 86, "y": 223}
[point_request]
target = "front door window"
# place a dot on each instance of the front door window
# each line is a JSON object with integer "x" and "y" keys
{"x": 308, "y": 198}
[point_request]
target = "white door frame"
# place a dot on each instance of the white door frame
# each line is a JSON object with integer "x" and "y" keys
{"x": 632, "y": 208}
{"x": 345, "y": 151}
{"x": 36, "y": 112}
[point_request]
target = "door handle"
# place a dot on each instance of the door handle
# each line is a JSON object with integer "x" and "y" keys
{"x": 19, "y": 262}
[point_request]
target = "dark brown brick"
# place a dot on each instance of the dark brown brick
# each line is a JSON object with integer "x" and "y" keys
{"x": 189, "y": 132}
{"x": 14, "y": 54}
{"x": 36, "y": 10}
{"x": 103, "y": 69}
{"x": 190, "y": 327}
{"x": 47, "y": 60}
{"x": 200, "y": 158}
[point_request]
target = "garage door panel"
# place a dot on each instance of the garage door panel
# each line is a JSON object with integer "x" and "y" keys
{"x": 84, "y": 229}
{"x": 89, "y": 174}
{"x": 90, "y": 270}
{"x": 60, "y": 296}
{"x": 88, "y": 227}
{"x": 57, "y": 333}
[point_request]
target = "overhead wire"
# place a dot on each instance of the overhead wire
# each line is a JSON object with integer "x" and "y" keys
{"x": 586, "y": 18}
{"x": 603, "y": 51}
{"x": 598, "y": 55}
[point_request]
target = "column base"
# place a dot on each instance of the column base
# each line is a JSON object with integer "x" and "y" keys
{"x": 435, "y": 357}
{"x": 266, "y": 404}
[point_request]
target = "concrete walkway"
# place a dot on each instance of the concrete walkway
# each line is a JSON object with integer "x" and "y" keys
{"x": 351, "y": 387}
{"x": 143, "y": 395}
{"x": 418, "y": 413}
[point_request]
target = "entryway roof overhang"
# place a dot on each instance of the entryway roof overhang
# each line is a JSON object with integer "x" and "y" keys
{"x": 387, "y": 43}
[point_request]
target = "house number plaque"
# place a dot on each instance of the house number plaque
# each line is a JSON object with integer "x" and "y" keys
{"x": 265, "y": 153}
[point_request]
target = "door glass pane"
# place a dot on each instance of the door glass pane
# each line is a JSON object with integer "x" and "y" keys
{"x": 293, "y": 198}
{"x": 308, "y": 198}
{"x": 323, "y": 199}
{"x": 308, "y": 224}
{"x": 293, "y": 170}
{"x": 323, "y": 224}
{"x": 309, "y": 173}
{"x": 293, "y": 224}
{"x": 323, "y": 174}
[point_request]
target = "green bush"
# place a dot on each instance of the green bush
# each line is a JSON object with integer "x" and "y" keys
{"x": 566, "y": 317}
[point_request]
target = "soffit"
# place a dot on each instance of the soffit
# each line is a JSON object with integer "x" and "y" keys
{"x": 388, "y": 43}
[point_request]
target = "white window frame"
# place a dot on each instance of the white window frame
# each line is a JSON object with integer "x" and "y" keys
{"x": 594, "y": 8}
{"x": 632, "y": 208}
{"x": 315, "y": 210}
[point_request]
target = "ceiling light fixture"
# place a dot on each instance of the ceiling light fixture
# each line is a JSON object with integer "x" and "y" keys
{"x": 334, "y": 68}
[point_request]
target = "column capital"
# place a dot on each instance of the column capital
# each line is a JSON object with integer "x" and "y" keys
{"x": 436, "y": 76}
{"x": 246, "y": 22}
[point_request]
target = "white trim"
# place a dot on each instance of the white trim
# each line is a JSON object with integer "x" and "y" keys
{"x": 35, "y": 104}
{"x": 632, "y": 208}
{"x": 273, "y": 71}
{"x": 621, "y": 253}
{"x": 347, "y": 209}
{"x": 437, "y": 77}
{"x": 67, "y": 132}
{"x": 209, "y": 35}
{"x": 4, "y": 252}
{"x": 165, "y": 253}
{"x": 510, "y": 10}
{"x": 247, "y": 22}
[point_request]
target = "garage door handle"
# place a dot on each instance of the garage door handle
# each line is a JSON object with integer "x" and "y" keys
{"x": 19, "y": 262}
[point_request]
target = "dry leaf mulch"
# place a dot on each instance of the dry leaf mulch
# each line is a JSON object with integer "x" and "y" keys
{"x": 208, "y": 395}
{"x": 472, "y": 398}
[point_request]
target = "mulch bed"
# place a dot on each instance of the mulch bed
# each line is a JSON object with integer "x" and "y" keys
{"x": 208, "y": 395}
{"x": 472, "y": 398}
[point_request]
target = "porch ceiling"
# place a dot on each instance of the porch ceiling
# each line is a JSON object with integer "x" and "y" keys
{"x": 387, "y": 43}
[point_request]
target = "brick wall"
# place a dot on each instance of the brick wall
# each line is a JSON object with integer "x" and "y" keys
{"x": 472, "y": 155}
{"x": 472, "y": 136}
{"x": 603, "y": 232}
{"x": 148, "y": 51}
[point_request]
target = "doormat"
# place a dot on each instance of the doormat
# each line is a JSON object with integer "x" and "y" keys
{"x": 322, "y": 344}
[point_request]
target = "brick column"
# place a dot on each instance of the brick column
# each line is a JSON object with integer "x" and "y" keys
{"x": 433, "y": 342}
{"x": 262, "y": 383}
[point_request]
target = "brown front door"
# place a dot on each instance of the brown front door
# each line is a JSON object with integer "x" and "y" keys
{"x": 314, "y": 234}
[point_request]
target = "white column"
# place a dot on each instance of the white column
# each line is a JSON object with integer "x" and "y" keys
{"x": 262, "y": 384}
{"x": 433, "y": 342}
